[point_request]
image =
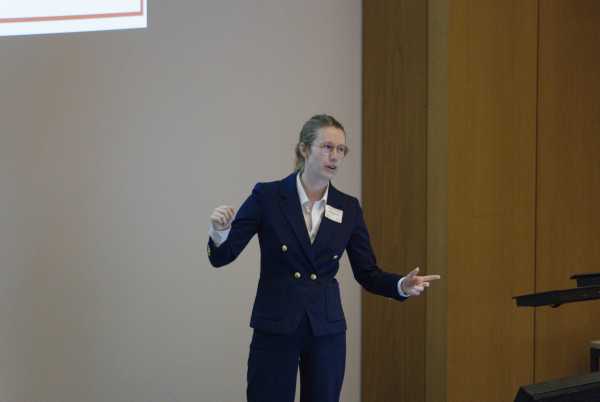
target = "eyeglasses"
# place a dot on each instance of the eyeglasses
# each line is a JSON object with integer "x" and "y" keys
{"x": 328, "y": 147}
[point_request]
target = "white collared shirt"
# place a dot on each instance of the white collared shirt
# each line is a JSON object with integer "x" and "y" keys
{"x": 311, "y": 210}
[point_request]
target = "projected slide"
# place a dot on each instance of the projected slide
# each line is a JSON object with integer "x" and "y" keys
{"x": 29, "y": 17}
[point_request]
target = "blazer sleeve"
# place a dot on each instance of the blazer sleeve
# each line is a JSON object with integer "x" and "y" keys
{"x": 364, "y": 264}
{"x": 245, "y": 225}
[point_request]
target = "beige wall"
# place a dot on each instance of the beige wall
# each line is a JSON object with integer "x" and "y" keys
{"x": 114, "y": 148}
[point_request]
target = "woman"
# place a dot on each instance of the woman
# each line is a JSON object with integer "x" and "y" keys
{"x": 304, "y": 224}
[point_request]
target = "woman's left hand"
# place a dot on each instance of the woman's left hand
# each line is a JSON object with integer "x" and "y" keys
{"x": 414, "y": 285}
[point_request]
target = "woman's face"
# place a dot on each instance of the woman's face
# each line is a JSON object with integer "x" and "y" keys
{"x": 325, "y": 154}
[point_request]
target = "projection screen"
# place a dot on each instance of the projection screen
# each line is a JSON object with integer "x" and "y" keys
{"x": 29, "y": 17}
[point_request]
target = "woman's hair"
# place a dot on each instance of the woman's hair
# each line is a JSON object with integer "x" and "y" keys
{"x": 310, "y": 131}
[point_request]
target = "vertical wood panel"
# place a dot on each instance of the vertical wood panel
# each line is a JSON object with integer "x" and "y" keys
{"x": 568, "y": 231}
{"x": 437, "y": 203}
{"x": 491, "y": 189}
{"x": 394, "y": 192}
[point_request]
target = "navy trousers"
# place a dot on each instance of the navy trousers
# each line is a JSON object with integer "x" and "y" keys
{"x": 274, "y": 361}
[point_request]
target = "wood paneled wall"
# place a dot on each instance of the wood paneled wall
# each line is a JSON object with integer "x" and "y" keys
{"x": 568, "y": 201}
{"x": 492, "y": 63}
{"x": 507, "y": 183}
{"x": 436, "y": 352}
{"x": 394, "y": 192}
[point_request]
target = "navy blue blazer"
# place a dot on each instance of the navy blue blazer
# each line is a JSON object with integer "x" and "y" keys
{"x": 297, "y": 277}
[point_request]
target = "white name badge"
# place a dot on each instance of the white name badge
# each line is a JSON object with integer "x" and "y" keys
{"x": 333, "y": 213}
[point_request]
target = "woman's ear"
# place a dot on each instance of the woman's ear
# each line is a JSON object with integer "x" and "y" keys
{"x": 303, "y": 150}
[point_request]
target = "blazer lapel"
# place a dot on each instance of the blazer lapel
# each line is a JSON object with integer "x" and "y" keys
{"x": 290, "y": 206}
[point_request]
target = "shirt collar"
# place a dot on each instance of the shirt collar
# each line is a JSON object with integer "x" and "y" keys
{"x": 302, "y": 194}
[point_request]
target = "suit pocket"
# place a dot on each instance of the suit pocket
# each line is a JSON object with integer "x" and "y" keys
{"x": 269, "y": 302}
{"x": 334, "y": 304}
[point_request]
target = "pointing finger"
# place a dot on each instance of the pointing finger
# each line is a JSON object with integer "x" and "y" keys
{"x": 429, "y": 278}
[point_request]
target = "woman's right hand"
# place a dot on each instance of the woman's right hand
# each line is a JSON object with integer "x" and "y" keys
{"x": 221, "y": 217}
